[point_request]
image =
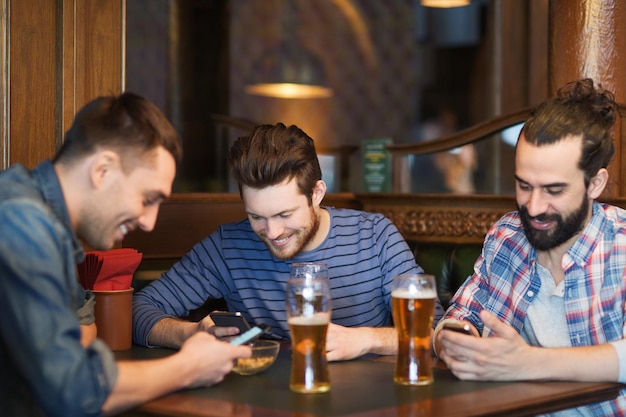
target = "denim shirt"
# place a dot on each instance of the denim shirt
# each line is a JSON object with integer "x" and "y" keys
{"x": 44, "y": 370}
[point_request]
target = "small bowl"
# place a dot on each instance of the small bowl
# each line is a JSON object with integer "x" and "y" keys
{"x": 264, "y": 354}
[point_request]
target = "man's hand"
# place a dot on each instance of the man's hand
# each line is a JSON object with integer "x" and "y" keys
{"x": 504, "y": 356}
{"x": 343, "y": 343}
{"x": 212, "y": 358}
{"x": 172, "y": 332}
{"x": 88, "y": 333}
{"x": 202, "y": 361}
{"x": 207, "y": 325}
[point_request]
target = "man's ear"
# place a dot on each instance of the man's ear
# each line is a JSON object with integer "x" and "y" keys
{"x": 103, "y": 166}
{"x": 319, "y": 191}
{"x": 598, "y": 183}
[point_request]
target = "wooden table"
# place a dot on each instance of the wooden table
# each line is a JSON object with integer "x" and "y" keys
{"x": 365, "y": 388}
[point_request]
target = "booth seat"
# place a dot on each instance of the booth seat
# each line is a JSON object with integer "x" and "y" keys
{"x": 450, "y": 263}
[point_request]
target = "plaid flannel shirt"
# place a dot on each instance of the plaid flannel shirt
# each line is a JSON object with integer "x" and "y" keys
{"x": 506, "y": 281}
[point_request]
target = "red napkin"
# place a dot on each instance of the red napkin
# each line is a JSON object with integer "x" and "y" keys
{"x": 109, "y": 270}
{"x": 89, "y": 269}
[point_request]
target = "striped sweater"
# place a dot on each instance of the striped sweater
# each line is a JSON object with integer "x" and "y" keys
{"x": 363, "y": 251}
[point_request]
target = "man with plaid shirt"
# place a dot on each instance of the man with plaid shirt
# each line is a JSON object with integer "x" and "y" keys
{"x": 548, "y": 294}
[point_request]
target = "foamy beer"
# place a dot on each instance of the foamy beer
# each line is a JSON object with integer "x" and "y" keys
{"x": 413, "y": 308}
{"x": 308, "y": 315}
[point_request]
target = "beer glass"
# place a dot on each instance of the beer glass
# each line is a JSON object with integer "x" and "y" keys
{"x": 413, "y": 308}
{"x": 308, "y": 315}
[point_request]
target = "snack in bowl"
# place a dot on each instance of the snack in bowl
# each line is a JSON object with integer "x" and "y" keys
{"x": 264, "y": 354}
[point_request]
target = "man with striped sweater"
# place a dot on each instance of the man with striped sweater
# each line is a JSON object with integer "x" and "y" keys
{"x": 248, "y": 262}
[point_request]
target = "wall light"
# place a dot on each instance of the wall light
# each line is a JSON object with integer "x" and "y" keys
{"x": 289, "y": 70}
{"x": 445, "y": 3}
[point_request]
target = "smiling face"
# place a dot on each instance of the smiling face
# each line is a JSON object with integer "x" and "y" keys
{"x": 125, "y": 201}
{"x": 283, "y": 219}
{"x": 553, "y": 203}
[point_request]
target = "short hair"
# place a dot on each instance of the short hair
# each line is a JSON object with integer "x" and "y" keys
{"x": 129, "y": 124}
{"x": 579, "y": 109}
{"x": 272, "y": 154}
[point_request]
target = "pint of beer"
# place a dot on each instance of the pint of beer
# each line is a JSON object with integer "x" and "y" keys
{"x": 413, "y": 308}
{"x": 308, "y": 315}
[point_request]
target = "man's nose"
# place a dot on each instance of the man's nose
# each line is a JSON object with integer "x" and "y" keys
{"x": 536, "y": 203}
{"x": 148, "y": 219}
{"x": 273, "y": 229}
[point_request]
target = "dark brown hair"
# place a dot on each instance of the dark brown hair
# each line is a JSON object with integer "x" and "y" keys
{"x": 272, "y": 154}
{"x": 129, "y": 124}
{"x": 579, "y": 109}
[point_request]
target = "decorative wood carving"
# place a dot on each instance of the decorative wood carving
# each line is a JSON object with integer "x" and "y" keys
{"x": 442, "y": 225}
{"x": 439, "y": 218}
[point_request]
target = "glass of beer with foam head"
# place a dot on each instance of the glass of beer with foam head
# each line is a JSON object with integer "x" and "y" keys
{"x": 413, "y": 308}
{"x": 308, "y": 315}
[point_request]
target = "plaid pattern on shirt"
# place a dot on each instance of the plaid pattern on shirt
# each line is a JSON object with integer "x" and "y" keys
{"x": 506, "y": 281}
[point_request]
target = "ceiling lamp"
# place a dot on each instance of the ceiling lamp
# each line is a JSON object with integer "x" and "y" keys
{"x": 289, "y": 70}
{"x": 445, "y": 3}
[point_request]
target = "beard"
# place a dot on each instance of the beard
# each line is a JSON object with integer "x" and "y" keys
{"x": 563, "y": 230}
{"x": 301, "y": 238}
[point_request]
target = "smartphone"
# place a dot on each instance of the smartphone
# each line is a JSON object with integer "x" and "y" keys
{"x": 230, "y": 319}
{"x": 459, "y": 327}
{"x": 249, "y": 335}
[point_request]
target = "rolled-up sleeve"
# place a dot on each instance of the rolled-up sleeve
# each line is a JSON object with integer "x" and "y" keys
{"x": 620, "y": 348}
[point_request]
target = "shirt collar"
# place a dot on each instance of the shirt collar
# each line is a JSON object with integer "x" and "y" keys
{"x": 48, "y": 181}
{"x": 592, "y": 233}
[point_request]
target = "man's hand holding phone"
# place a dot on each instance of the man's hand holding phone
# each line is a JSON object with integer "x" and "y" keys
{"x": 230, "y": 319}
{"x": 225, "y": 324}
{"x": 459, "y": 327}
{"x": 453, "y": 326}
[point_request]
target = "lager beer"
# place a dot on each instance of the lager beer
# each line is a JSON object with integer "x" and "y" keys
{"x": 308, "y": 314}
{"x": 309, "y": 369}
{"x": 413, "y": 312}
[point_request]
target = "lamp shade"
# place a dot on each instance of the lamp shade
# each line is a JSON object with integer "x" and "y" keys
{"x": 445, "y": 3}
{"x": 288, "y": 71}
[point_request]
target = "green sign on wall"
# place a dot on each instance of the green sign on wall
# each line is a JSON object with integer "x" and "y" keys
{"x": 376, "y": 166}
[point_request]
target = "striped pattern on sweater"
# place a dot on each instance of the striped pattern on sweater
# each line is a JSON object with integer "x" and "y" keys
{"x": 364, "y": 251}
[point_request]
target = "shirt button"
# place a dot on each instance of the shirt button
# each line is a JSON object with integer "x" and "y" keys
{"x": 530, "y": 293}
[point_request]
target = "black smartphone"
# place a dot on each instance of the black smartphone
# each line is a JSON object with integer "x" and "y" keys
{"x": 459, "y": 327}
{"x": 230, "y": 319}
{"x": 249, "y": 335}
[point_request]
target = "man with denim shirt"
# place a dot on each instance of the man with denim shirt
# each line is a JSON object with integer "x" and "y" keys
{"x": 115, "y": 167}
{"x": 548, "y": 292}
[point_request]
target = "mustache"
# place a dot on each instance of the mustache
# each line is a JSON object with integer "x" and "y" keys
{"x": 283, "y": 236}
{"x": 543, "y": 217}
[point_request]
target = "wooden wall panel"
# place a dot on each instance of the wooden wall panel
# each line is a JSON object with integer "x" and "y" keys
{"x": 56, "y": 56}
{"x": 538, "y": 25}
{"x": 32, "y": 72}
{"x": 588, "y": 39}
{"x": 99, "y": 55}
{"x": 4, "y": 84}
